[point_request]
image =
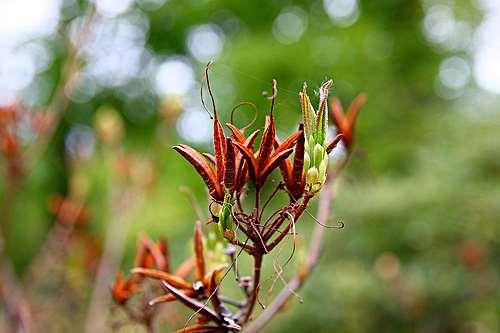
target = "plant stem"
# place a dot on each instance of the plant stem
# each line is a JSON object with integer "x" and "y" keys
{"x": 285, "y": 231}
{"x": 312, "y": 259}
{"x": 257, "y": 266}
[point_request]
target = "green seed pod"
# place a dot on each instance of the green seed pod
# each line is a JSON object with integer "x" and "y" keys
{"x": 225, "y": 218}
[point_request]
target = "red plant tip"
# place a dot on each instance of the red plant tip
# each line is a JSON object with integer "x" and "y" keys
{"x": 346, "y": 122}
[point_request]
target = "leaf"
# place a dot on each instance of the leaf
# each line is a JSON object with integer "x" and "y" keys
{"x": 204, "y": 169}
{"x": 159, "y": 275}
{"x": 198, "y": 252}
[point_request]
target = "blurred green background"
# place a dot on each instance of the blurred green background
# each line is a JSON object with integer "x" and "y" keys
{"x": 420, "y": 200}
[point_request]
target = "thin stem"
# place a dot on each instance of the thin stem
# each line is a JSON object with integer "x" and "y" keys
{"x": 275, "y": 225}
{"x": 257, "y": 199}
{"x": 311, "y": 261}
{"x": 298, "y": 213}
{"x": 231, "y": 301}
{"x": 269, "y": 200}
{"x": 257, "y": 266}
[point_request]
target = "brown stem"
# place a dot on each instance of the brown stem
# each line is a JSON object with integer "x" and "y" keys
{"x": 311, "y": 261}
{"x": 296, "y": 217}
{"x": 257, "y": 199}
{"x": 274, "y": 226}
{"x": 257, "y": 266}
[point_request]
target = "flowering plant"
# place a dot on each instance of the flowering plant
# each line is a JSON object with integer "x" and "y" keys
{"x": 234, "y": 171}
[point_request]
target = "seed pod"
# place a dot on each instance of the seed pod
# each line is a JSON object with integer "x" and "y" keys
{"x": 225, "y": 218}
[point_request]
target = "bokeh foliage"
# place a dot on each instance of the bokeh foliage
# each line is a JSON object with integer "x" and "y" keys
{"x": 419, "y": 201}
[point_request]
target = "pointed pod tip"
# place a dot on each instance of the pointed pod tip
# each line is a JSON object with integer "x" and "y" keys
{"x": 328, "y": 84}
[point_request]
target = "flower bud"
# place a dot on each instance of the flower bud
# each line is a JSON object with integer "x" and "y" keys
{"x": 312, "y": 175}
{"x": 319, "y": 152}
{"x": 307, "y": 161}
{"x": 316, "y": 187}
{"x": 310, "y": 143}
{"x": 322, "y": 170}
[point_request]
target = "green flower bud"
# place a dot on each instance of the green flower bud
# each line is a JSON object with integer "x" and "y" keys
{"x": 307, "y": 161}
{"x": 315, "y": 130}
{"x": 312, "y": 175}
{"x": 319, "y": 152}
{"x": 316, "y": 187}
{"x": 322, "y": 170}
{"x": 311, "y": 142}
